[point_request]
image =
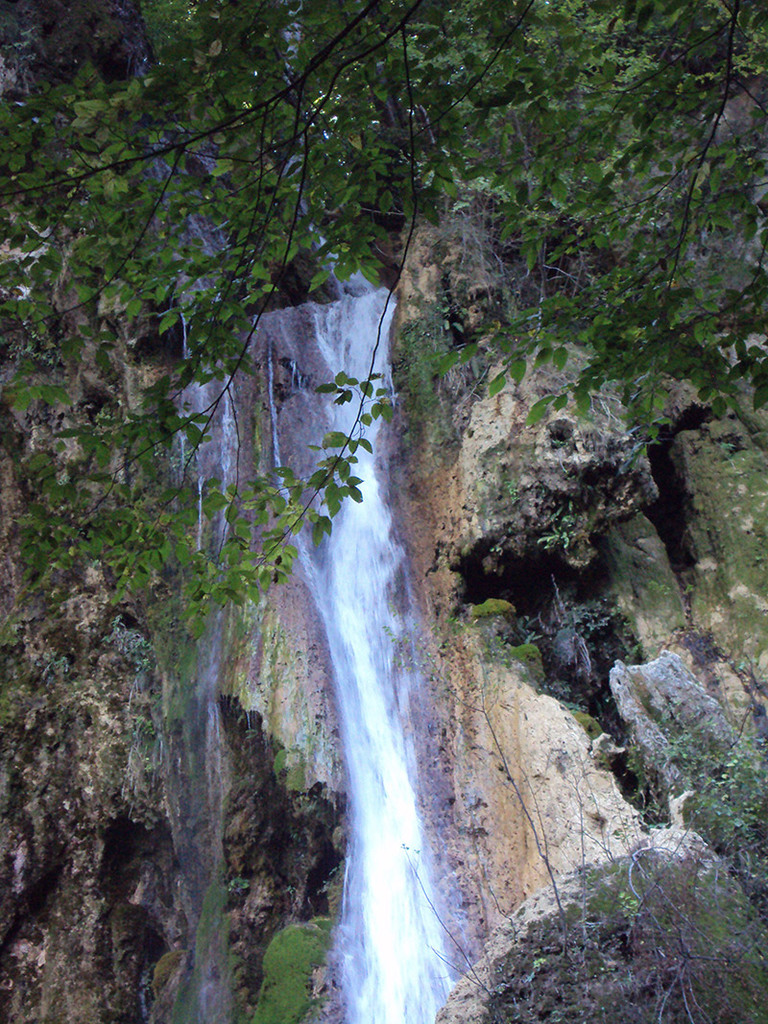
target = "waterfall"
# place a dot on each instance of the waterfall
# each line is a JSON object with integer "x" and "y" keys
{"x": 197, "y": 764}
{"x": 390, "y": 943}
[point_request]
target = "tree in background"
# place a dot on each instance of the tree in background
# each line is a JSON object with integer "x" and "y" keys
{"x": 620, "y": 152}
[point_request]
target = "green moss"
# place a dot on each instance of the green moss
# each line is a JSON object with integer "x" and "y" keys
{"x": 528, "y": 654}
{"x": 211, "y": 941}
{"x": 291, "y": 956}
{"x": 296, "y": 777}
{"x": 590, "y": 725}
{"x": 290, "y": 769}
{"x": 493, "y": 606}
{"x": 288, "y": 715}
{"x": 240, "y": 628}
{"x": 278, "y": 662}
{"x": 165, "y": 968}
{"x": 727, "y": 525}
{"x": 643, "y": 582}
{"x": 279, "y": 763}
{"x": 334, "y": 891}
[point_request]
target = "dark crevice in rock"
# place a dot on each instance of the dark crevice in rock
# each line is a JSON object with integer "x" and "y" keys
{"x": 528, "y": 582}
{"x": 326, "y": 862}
{"x": 525, "y": 582}
{"x": 128, "y": 845}
{"x": 168, "y": 346}
{"x": 121, "y": 840}
{"x": 94, "y": 400}
{"x": 582, "y": 636}
{"x": 453, "y": 312}
{"x": 153, "y": 947}
{"x": 568, "y": 614}
{"x": 668, "y": 512}
{"x": 31, "y": 905}
{"x": 636, "y": 790}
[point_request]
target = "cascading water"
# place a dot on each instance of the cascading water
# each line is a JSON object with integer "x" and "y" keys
{"x": 196, "y": 763}
{"x": 391, "y": 944}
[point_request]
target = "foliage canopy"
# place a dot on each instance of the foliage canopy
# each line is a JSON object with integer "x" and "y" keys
{"x": 621, "y": 148}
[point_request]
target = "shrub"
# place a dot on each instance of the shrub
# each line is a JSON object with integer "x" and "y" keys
{"x": 729, "y": 805}
{"x": 655, "y": 939}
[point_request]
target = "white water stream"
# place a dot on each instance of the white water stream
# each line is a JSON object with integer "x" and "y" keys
{"x": 197, "y": 766}
{"x": 390, "y": 944}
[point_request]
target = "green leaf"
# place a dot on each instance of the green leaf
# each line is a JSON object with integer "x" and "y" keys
{"x": 516, "y": 370}
{"x": 559, "y": 191}
{"x": 497, "y": 384}
{"x": 318, "y": 279}
{"x": 335, "y": 439}
{"x": 447, "y": 362}
{"x": 538, "y": 410}
{"x": 168, "y": 320}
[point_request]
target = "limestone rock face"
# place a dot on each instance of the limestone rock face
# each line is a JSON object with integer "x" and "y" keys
{"x": 281, "y": 675}
{"x": 662, "y": 701}
{"x": 544, "y": 553}
{"x": 553, "y": 486}
{"x": 665, "y": 691}
{"x": 516, "y": 494}
{"x": 157, "y": 825}
{"x": 86, "y": 855}
{"x": 502, "y": 521}
{"x": 531, "y": 800}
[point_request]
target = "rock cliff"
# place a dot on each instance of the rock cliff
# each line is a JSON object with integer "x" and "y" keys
{"x": 546, "y": 554}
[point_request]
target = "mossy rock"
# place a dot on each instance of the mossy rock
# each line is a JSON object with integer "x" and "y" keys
{"x": 291, "y": 956}
{"x": 490, "y": 608}
{"x": 165, "y": 968}
{"x": 279, "y": 764}
{"x": 642, "y": 581}
{"x": 590, "y": 725}
{"x": 727, "y": 532}
{"x": 211, "y": 955}
{"x": 290, "y": 769}
{"x": 528, "y": 654}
